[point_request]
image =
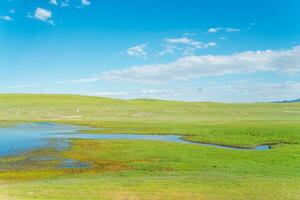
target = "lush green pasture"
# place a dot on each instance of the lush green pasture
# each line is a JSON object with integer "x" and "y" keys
{"x": 232, "y": 124}
{"x": 158, "y": 170}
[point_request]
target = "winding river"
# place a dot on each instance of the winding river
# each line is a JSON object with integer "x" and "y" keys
{"x": 28, "y": 136}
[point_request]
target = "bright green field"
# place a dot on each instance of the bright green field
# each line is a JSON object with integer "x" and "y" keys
{"x": 136, "y": 170}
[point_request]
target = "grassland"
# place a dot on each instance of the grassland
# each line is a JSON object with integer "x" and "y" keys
{"x": 159, "y": 170}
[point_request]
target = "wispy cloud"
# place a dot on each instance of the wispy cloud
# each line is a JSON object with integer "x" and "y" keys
{"x": 230, "y": 30}
{"x": 6, "y": 18}
{"x": 110, "y": 94}
{"x": 138, "y": 51}
{"x": 85, "y": 2}
{"x": 224, "y": 29}
{"x": 189, "y": 34}
{"x": 213, "y": 30}
{"x": 184, "y": 44}
{"x": 155, "y": 92}
{"x": 83, "y": 80}
{"x": 20, "y": 86}
{"x": 254, "y": 92}
{"x": 191, "y": 67}
{"x": 54, "y": 2}
{"x": 61, "y": 3}
{"x": 286, "y": 61}
{"x": 65, "y": 3}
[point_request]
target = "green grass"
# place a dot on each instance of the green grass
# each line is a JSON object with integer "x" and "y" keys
{"x": 159, "y": 170}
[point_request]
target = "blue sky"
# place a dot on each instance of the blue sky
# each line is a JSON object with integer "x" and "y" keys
{"x": 192, "y": 50}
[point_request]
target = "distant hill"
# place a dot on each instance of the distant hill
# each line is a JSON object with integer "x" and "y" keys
{"x": 288, "y": 101}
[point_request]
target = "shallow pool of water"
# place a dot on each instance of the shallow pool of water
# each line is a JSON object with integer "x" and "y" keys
{"x": 27, "y": 136}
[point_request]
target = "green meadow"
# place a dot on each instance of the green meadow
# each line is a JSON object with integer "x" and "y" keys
{"x": 155, "y": 170}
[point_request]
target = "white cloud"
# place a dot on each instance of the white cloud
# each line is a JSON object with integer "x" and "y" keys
{"x": 54, "y": 2}
{"x": 183, "y": 40}
{"x": 190, "y": 67}
{"x": 61, "y": 3}
{"x": 225, "y": 29}
{"x": 111, "y": 94}
{"x": 6, "y": 18}
{"x": 189, "y": 34}
{"x": 21, "y": 86}
{"x": 43, "y": 15}
{"x": 185, "y": 44}
{"x": 84, "y": 80}
{"x": 154, "y": 92}
{"x": 137, "y": 50}
{"x": 85, "y": 2}
{"x": 229, "y": 30}
{"x": 213, "y": 30}
{"x": 251, "y": 92}
{"x": 65, "y": 3}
